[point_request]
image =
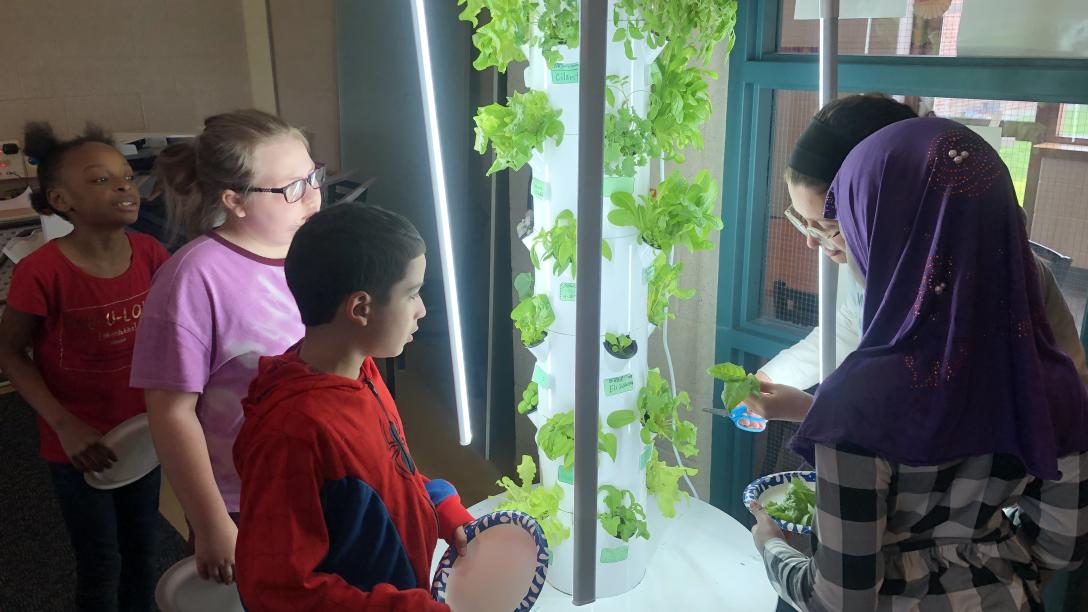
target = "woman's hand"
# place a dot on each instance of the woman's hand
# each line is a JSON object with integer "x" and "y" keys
{"x": 765, "y": 528}
{"x": 779, "y": 403}
{"x": 83, "y": 445}
{"x": 215, "y": 551}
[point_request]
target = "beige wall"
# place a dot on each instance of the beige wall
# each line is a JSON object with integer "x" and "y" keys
{"x": 162, "y": 65}
{"x": 130, "y": 65}
{"x": 304, "y": 56}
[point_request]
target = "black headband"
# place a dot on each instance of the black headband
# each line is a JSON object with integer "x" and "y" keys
{"x": 820, "y": 151}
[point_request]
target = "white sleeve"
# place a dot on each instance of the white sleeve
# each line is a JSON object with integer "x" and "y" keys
{"x": 799, "y": 365}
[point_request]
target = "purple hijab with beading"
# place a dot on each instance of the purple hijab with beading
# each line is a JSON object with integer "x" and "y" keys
{"x": 956, "y": 357}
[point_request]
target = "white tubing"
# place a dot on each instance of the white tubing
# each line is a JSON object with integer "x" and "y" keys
{"x": 668, "y": 353}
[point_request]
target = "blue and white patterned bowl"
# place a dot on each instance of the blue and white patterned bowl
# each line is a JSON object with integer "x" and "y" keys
{"x": 773, "y": 487}
{"x": 482, "y": 524}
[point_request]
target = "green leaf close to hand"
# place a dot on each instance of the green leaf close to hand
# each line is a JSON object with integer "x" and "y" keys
{"x": 737, "y": 384}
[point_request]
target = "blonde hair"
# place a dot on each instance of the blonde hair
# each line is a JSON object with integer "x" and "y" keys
{"x": 195, "y": 173}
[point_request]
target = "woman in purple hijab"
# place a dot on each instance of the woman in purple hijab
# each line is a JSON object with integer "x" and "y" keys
{"x": 955, "y": 406}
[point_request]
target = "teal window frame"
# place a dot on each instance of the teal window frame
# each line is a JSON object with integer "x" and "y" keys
{"x": 756, "y": 70}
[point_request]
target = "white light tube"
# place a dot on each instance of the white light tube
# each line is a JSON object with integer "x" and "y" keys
{"x": 442, "y": 212}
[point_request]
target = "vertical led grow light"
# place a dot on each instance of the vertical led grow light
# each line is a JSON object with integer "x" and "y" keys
{"x": 442, "y": 214}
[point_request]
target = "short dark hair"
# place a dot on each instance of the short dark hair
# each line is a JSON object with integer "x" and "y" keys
{"x": 347, "y": 248}
{"x": 857, "y": 116}
{"x": 41, "y": 144}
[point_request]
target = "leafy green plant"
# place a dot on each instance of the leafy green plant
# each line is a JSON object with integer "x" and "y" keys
{"x": 663, "y": 482}
{"x": 619, "y": 419}
{"x": 679, "y": 101}
{"x": 624, "y": 518}
{"x": 629, "y": 141}
{"x": 523, "y": 284}
{"x": 541, "y": 503}
{"x": 618, "y": 344}
{"x": 556, "y": 439}
{"x": 677, "y": 213}
{"x": 558, "y": 26}
{"x": 533, "y": 316}
{"x": 514, "y": 130}
{"x": 530, "y": 398}
{"x": 798, "y": 505}
{"x": 664, "y": 285}
{"x": 560, "y": 244}
{"x": 737, "y": 384}
{"x": 700, "y": 24}
{"x": 659, "y": 412}
{"x": 502, "y": 39}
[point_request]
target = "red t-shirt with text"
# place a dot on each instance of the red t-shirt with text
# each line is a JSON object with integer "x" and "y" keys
{"x": 83, "y": 347}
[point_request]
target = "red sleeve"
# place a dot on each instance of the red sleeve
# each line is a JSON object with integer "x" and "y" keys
{"x": 30, "y": 288}
{"x": 282, "y": 538}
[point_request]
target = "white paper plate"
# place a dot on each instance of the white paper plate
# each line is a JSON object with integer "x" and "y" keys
{"x": 504, "y": 570}
{"x": 773, "y": 487}
{"x": 181, "y": 589}
{"x": 131, "y": 442}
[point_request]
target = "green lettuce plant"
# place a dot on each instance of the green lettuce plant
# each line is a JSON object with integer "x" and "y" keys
{"x": 541, "y": 503}
{"x": 556, "y": 439}
{"x": 699, "y": 24}
{"x": 533, "y": 316}
{"x": 662, "y": 286}
{"x": 679, "y": 101}
{"x": 677, "y": 213}
{"x": 659, "y": 412}
{"x": 663, "y": 483}
{"x": 530, "y": 398}
{"x": 624, "y": 518}
{"x": 516, "y": 129}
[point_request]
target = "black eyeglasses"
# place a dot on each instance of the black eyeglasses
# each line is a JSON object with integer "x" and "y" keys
{"x": 293, "y": 191}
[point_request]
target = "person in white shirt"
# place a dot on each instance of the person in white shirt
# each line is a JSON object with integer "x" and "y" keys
{"x": 834, "y": 131}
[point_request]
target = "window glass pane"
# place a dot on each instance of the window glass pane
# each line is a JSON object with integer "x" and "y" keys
{"x": 951, "y": 28}
{"x": 1048, "y": 168}
{"x": 1073, "y": 121}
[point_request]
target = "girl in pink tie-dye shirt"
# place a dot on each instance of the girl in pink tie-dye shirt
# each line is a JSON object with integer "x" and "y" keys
{"x": 219, "y": 304}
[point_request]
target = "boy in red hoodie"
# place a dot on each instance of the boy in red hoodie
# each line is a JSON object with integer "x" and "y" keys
{"x": 335, "y": 514}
